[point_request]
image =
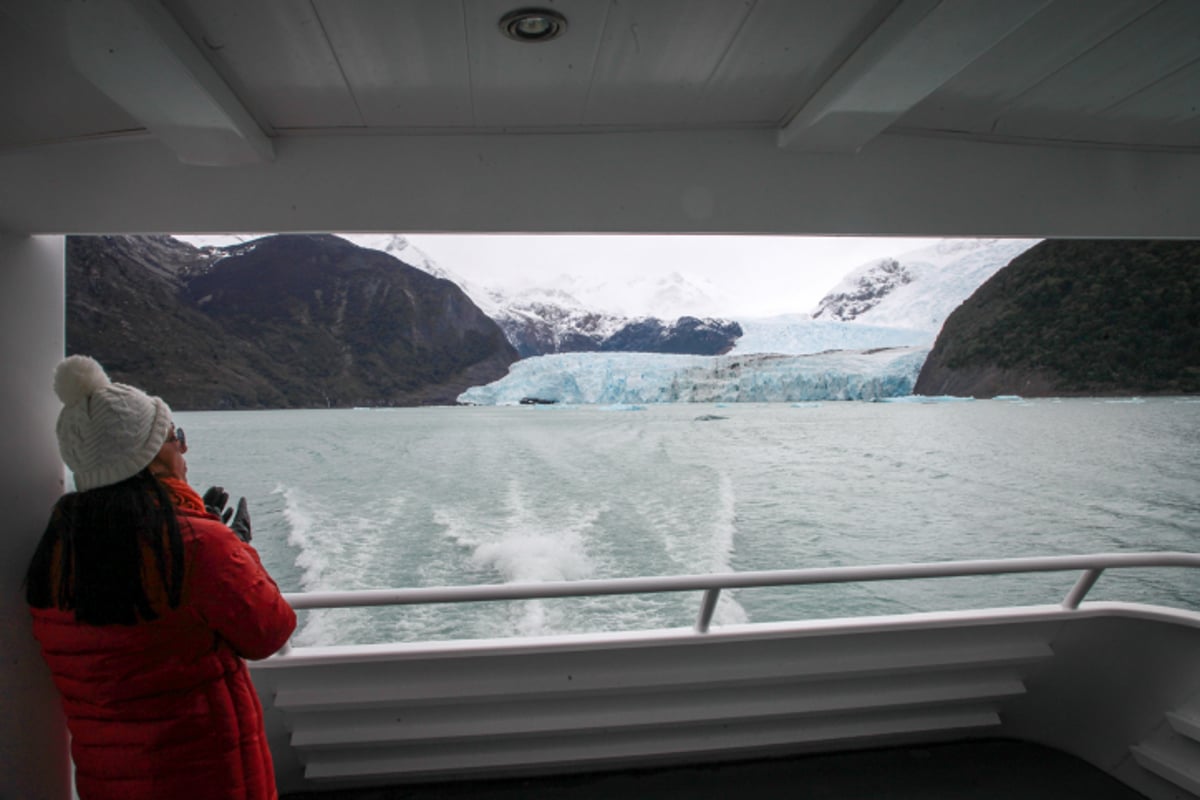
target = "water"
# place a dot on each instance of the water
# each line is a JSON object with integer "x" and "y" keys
{"x": 449, "y": 496}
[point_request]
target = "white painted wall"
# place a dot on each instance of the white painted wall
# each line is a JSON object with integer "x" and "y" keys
{"x": 33, "y": 740}
{"x": 1091, "y": 682}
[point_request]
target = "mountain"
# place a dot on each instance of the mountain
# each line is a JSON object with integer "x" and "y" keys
{"x": 552, "y": 321}
{"x": 663, "y": 296}
{"x": 666, "y": 296}
{"x": 542, "y": 321}
{"x": 919, "y": 289}
{"x": 900, "y": 301}
{"x": 1077, "y": 317}
{"x": 537, "y": 322}
{"x": 276, "y": 322}
{"x": 863, "y": 290}
{"x": 400, "y": 248}
{"x": 686, "y": 335}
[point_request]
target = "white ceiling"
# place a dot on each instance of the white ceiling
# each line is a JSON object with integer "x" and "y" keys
{"x": 232, "y": 82}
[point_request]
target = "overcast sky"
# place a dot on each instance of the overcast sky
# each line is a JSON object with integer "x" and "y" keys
{"x": 751, "y": 275}
{"x": 747, "y": 276}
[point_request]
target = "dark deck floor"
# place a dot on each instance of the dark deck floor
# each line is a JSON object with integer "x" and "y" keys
{"x": 983, "y": 770}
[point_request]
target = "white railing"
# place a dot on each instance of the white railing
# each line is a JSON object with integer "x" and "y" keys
{"x": 1091, "y": 566}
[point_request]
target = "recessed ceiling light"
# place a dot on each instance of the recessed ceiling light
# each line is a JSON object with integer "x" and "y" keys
{"x": 533, "y": 25}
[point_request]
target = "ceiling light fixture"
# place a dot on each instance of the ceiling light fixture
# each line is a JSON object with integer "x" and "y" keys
{"x": 533, "y": 25}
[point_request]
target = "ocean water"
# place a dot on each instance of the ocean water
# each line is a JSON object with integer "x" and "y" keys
{"x": 419, "y": 497}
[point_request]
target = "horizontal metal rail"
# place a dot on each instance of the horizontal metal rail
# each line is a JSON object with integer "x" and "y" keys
{"x": 1092, "y": 566}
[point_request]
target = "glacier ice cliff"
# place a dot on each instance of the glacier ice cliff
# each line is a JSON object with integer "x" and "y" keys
{"x": 630, "y": 378}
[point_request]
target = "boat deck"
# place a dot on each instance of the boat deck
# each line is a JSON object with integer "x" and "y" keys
{"x": 993, "y": 769}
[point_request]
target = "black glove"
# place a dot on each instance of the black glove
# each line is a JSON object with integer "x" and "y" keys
{"x": 214, "y": 502}
{"x": 241, "y": 521}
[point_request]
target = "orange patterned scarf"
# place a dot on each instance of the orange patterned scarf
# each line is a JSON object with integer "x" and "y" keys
{"x": 183, "y": 496}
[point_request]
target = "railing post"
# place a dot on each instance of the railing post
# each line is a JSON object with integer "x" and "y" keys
{"x": 707, "y": 607}
{"x": 1081, "y": 588}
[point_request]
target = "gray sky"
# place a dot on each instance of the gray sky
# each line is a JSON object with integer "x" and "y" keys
{"x": 750, "y": 275}
{"x": 747, "y": 276}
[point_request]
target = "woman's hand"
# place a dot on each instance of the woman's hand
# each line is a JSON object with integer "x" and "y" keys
{"x": 241, "y": 521}
{"x": 215, "y": 500}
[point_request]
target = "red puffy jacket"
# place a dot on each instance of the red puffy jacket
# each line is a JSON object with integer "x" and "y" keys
{"x": 166, "y": 709}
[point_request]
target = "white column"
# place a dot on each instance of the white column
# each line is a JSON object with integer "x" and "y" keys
{"x": 33, "y": 739}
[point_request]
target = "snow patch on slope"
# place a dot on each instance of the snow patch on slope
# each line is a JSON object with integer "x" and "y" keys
{"x": 918, "y": 290}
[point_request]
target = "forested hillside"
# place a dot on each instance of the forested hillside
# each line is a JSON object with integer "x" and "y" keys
{"x": 1077, "y": 317}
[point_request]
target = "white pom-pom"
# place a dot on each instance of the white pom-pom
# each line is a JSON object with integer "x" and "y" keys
{"x": 77, "y": 377}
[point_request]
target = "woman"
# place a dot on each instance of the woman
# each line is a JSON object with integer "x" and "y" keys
{"x": 145, "y": 605}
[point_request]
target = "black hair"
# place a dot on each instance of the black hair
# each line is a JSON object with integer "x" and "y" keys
{"x": 91, "y": 558}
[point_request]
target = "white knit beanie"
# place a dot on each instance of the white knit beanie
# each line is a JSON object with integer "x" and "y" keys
{"x": 107, "y": 431}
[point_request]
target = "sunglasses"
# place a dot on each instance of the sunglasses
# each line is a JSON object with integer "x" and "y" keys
{"x": 177, "y": 435}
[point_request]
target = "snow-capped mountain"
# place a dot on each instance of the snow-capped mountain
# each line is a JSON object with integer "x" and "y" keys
{"x": 398, "y": 246}
{"x": 918, "y": 290}
{"x": 899, "y": 301}
{"x": 890, "y": 302}
{"x": 541, "y": 321}
{"x": 677, "y": 295}
{"x": 535, "y": 321}
{"x": 669, "y": 296}
{"x": 552, "y": 320}
{"x": 862, "y": 290}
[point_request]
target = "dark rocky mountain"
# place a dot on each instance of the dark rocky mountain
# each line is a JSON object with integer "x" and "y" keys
{"x": 541, "y": 321}
{"x": 687, "y": 335}
{"x": 279, "y": 322}
{"x": 545, "y": 322}
{"x": 1076, "y": 317}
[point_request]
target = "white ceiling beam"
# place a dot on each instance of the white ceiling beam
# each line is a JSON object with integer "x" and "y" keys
{"x": 917, "y": 48}
{"x": 600, "y": 183}
{"x": 135, "y": 52}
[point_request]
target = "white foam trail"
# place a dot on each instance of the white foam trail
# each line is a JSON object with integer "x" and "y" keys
{"x": 534, "y": 619}
{"x": 524, "y": 545}
{"x": 724, "y": 527}
{"x": 321, "y": 626}
{"x": 326, "y": 627}
{"x": 365, "y": 548}
{"x": 698, "y": 526}
{"x": 300, "y": 523}
{"x": 724, "y": 524}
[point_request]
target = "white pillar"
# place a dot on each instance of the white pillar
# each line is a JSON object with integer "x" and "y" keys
{"x": 34, "y": 763}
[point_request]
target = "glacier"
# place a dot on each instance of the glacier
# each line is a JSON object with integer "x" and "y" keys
{"x": 642, "y": 378}
{"x": 799, "y": 334}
